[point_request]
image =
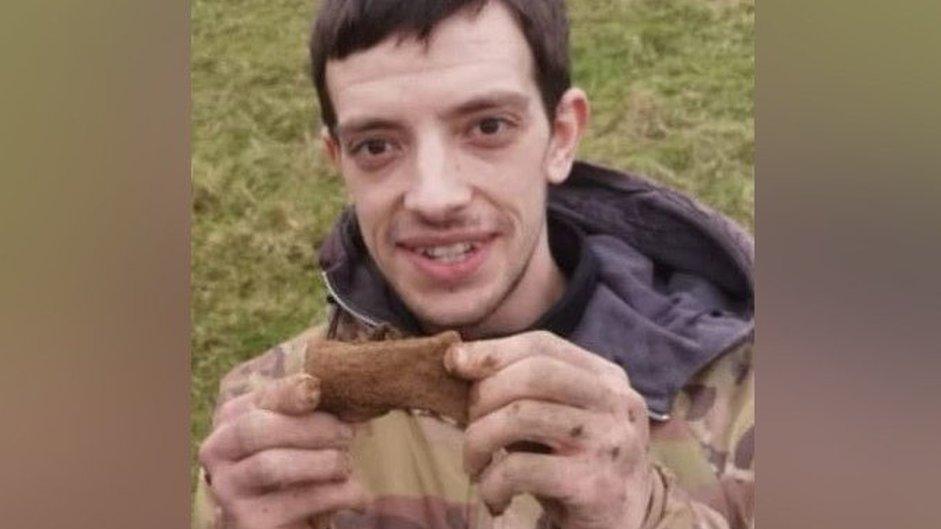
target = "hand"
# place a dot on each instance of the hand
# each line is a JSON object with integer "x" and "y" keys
{"x": 272, "y": 461}
{"x": 538, "y": 388}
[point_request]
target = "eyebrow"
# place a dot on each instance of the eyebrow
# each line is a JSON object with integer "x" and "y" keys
{"x": 497, "y": 99}
{"x": 489, "y": 101}
{"x": 355, "y": 126}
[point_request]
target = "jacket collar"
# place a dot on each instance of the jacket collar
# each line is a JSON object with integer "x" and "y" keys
{"x": 670, "y": 282}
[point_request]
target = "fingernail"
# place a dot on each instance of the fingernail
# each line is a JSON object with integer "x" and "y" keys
{"x": 309, "y": 383}
{"x": 473, "y": 474}
{"x": 347, "y": 465}
{"x": 309, "y": 390}
{"x": 495, "y": 511}
{"x": 362, "y": 507}
{"x": 320, "y": 521}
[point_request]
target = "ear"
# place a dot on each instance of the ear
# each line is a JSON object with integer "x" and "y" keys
{"x": 333, "y": 152}
{"x": 331, "y": 148}
{"x": 571, "y": 121}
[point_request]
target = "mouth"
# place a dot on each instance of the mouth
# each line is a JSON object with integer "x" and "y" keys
{"x": 451, "y": 253}
{"x": 448, "y": 261}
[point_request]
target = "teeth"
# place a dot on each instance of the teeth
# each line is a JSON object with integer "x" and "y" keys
{"x": 449, "y": 253}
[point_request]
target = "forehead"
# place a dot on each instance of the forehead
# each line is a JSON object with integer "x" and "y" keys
{"x": 466, "y": 54}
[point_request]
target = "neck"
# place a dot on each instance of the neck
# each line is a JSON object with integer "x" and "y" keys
{"x": 541, "y": 286}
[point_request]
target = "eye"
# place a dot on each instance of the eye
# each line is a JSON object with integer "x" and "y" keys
{"x": 373, "y": 153}
{"x": 372, "y": 147}
{"x": 492, "y": 131}
{"x": 490, "y": 126}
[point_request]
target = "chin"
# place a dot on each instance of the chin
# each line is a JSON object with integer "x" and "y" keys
{"x": 453, "y": 311}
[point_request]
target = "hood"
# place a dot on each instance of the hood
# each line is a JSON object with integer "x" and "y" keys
{"x": 674, "y": 283}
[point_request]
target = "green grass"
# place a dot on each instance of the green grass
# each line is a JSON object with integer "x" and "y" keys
{"x": 671, "y": 83}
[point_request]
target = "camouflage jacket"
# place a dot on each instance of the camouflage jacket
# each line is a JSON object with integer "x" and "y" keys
{"x": 674, "y": 274}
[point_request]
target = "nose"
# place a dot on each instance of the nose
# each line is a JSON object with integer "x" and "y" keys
{"x": 437, "y": 191}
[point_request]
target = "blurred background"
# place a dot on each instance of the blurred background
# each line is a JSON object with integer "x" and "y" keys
{"x": 672, "y": 89}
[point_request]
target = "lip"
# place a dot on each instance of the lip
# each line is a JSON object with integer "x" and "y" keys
{"x": 444, "y": 239}
{"x": 447, "y": 273}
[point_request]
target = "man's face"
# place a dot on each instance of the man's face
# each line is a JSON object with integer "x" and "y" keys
{"x": 443, "y": 147}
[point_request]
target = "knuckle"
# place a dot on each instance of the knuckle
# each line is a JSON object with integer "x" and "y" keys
{"x": 493, "y": 476}
{"x": 513, "y": 470}
{"x": 636, "y": 439}
{"x": 222, "y": 409}
{"x": 624, "y": 396}
{"x": 611, "y": 397}
{"x": 519, "y": 411}
{"x": 577, "y": 490}
{"x": 225, "y": 493}
{"x": 224, "y": 490}
{"x": 319, "y": 425}
{"x": 484, "y": 361}
{"x": 325, "y": 422}
{"x": 473, "y": 435}
{"x": 205, "y": 454}
{"x": 537, "y": 371}
{"x": 599, "y": 486}
{"x": 225, "y": 410}
{"x": 248, "y": 430}
{"x": 516, "y": 410}
{"x": 336, "y": 463}
{"x": 617, "y": 375}
{"x": 619, "y": 394}
{"x": 636, "y": 407}
{"x": 240, "y": 514}
{"x": 613, "y": 436}
{"x": 512, "y": 466}
{"x": 476, "y": 448}
{"x": 330, "y": 497}
{"x": 254, "y": 519}
{"x": 568, "y": 491}
{"x": 632, "y": 396}
{"x": 529, "y": 414}
{"x": 490, "y": 483}
{"x": 265, "y": 469}
{"x": 543, "y": 339}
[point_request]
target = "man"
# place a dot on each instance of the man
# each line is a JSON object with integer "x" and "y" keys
{"x": 606, "y": 320}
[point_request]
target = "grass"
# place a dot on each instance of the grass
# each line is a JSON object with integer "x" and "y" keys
{"x": 671, "y": 83}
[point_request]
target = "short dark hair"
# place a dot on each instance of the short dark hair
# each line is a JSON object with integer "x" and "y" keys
{"x": 347, "y": 26}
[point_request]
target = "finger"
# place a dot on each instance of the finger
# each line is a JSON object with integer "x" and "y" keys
{"x": 232, "y": 408}
{"x": 320, "y": 521}
{"x": 562, "y": 428}
{"x": 292, "y": 395}
{"x": 297, "y": 504}
{"x": 282, "y": 467}
{"x": 544, "y": 476}
{"x": 260, "y": 430}
{"x": 539, "y": 378}
{"x": 480, "y": 359}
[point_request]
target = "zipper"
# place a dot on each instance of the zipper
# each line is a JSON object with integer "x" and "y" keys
{"x": 345, "y": 306}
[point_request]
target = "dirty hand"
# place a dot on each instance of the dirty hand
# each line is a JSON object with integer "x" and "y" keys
{"x": 593, "y": 471}
{"x": 272, "y": 461}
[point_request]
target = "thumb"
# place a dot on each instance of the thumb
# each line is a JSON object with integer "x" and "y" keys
{"x": 292, "y": 395}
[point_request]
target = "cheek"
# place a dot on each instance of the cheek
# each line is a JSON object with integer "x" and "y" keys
{"x": 514, "y": 179}
{"x": 374, "y": 209}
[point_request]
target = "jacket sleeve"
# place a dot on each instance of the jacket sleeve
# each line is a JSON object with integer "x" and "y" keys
{"x": 718, "y": 431}
{"x": 282, "y": 360}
